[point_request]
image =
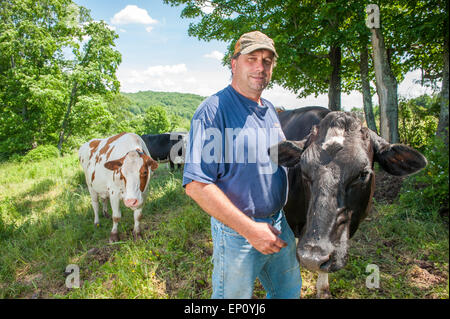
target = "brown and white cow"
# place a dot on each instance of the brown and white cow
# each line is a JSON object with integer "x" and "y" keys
{"x": 330, "y": 157}
{"x": 117, "y": 168}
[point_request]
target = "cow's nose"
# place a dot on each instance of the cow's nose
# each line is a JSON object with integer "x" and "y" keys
{"x": 132, "y": 202}
{"x": 313, "y": 258}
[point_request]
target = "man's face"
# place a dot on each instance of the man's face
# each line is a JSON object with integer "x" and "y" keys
{"x": 252, "y": 72}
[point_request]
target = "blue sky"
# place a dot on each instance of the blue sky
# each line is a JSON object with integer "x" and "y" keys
{"x": 158, "y": 55}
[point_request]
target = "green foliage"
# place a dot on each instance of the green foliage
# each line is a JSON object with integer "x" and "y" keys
{"x": 180, "y": 104}
{"x": 155, "y": 120}
{"x": 418, "y": 119}
{"x": 40, "y": 153}
{"x": 304, "y": 32}
{"x": 129, "y": 111}
{"x": 48, "y": 96}
{"x": 429, "y": 189}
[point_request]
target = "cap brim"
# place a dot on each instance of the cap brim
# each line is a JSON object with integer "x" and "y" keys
{"x": 255, "y": 47}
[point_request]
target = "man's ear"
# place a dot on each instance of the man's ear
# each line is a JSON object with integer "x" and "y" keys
{"x": 115, "y": 164}
{"x": 233, "y": 65}
{"x": 287, "y": 153}
{"x": 396, "y": 159}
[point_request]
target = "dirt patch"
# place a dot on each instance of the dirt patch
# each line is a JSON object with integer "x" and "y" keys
{"x": 102, "y": 254}
{"x": 423, "y": 274}
{"x": 422, "y": 278}
{"x": 387, "y": 187}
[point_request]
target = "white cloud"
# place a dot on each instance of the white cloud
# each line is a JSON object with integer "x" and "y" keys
{"x": 172, "y": 78}
{"x": 111, "y": 27}
{"x": 207, "y": 9}
{"x": 280, "y": 96}
{"x": 132, "y": 14}
{"x": 190, "y": 80}
{"x": 214, "y": 55}
{"x": 158, "y": 77}
{"x": 162, "y": 70}
{"x": 409, "y": 88}
{"x": 180, "y": 78}
{"x": 148, "y": 29}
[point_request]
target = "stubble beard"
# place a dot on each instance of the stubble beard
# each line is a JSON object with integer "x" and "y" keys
{"x": 258, "y": 86}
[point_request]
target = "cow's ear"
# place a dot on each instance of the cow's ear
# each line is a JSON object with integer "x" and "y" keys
{"x": 114, "y": 165}
{"x": 287, "y": 153}
{"x": 150, "y": 162}
{"x": 396, "y": 159}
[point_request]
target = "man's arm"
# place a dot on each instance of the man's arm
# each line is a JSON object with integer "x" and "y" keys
{"x": 262, "y": 236}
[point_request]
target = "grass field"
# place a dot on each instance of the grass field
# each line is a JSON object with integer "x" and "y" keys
{"x": 46, "y": 224}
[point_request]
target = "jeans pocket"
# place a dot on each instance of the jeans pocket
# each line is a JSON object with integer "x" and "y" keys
{"x": 230, "y": 231}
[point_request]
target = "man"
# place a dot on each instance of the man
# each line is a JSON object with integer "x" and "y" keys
{"x": 232, "y": 179}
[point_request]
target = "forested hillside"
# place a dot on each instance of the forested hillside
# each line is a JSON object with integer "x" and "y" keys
{"x": 180, "y": 104}
{"x": 151, "y": 112}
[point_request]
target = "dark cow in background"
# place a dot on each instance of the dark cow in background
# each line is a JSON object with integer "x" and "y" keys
{"x": 167, "y": 147}
{"x": 331, "y": 175}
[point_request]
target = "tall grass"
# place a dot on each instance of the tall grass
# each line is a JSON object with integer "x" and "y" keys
{"x": 46, "y": 223}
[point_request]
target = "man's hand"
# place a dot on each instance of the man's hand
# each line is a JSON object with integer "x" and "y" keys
{"x": 264, "y": 238}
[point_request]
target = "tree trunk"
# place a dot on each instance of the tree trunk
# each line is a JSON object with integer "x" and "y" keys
{"x": 365, "y": 84}
{"x": 66, "y": 116}
{"x": 334, "y": 90}
{"x": 386, "y": 89}
{"x": 442, "y": 129}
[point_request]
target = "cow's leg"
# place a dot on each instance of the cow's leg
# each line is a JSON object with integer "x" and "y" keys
{"x": 322, "y": 286}
{"x": 172, "y": 165}
{"x": 105, "y": 207}
{"x": 137, "y": 219}
{"x": 94, "y": 200}
{"x": 116, "y": 215}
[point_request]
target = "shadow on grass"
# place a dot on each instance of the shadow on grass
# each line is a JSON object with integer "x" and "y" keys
{"x": 67, "y": 235}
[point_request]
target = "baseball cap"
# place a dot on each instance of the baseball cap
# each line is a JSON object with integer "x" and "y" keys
{"x": 252, "y": 41}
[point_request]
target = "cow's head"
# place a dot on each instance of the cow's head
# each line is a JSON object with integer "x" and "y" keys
{"x": 134, "y": 170}
{"x": 335, "y": 164}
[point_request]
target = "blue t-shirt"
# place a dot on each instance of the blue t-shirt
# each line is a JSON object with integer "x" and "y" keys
{"x": 228, "y": 143}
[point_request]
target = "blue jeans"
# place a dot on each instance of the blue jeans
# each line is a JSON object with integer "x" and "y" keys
{"x": 237, "y": 264}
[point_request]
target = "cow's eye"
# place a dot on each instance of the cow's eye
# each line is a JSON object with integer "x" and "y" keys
{"x": 363, "y": 175}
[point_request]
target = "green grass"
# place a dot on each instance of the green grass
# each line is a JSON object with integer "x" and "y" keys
{"x": 47, "y": 223}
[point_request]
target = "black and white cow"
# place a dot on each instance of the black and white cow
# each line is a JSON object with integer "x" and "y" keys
{"x": 330, "y": 157}
{"x": 167, "y": 147}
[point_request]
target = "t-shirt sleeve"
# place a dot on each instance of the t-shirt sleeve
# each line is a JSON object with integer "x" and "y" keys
{"x": 199, "y": 165}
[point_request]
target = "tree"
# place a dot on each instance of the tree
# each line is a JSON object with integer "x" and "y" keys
{"x": 418, "y": 35}
{"x": 40, "y": 83}
{"x": 31, "y": 77}
{"x": 156, "y": 120}
{"x": 442, "y": 129}
{"x": 92, "y": 71}
{"x": 309, "y": 36}
{"x": 386, "y": 88}
{"x": 324, "y": 44}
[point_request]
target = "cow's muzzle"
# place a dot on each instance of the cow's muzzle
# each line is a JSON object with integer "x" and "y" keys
{"x": 131, "y": 203}
{"x": 315, "y": 258}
